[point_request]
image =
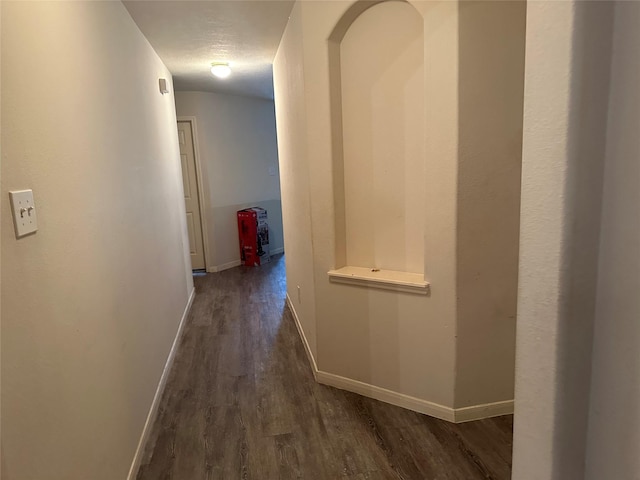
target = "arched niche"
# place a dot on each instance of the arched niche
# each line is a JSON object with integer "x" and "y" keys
{"x": 376, "y": 63}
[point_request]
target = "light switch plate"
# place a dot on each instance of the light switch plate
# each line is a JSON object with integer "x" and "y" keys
{"x": 23, "y": 208}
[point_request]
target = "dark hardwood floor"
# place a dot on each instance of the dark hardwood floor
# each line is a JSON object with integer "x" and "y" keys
{"x": 241, "y": 403}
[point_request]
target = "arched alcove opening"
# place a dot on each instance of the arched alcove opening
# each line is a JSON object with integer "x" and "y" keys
{"x": 377, "y": 105}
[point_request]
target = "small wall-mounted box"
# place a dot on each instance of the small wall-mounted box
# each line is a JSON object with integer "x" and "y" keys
{"x": 163, "y": 86}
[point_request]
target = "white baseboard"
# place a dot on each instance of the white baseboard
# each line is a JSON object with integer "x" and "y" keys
{"x": 237, "y": 263}
{"x": 485, "y": 410}
{"x": 155, "y": 404}
{"x": 305, "y": 342}
{"x": 454, "y": 415}
{"x": 224, "y": 266}
{"x": 387, "y": 396}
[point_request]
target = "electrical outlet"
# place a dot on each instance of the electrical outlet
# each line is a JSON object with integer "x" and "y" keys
{"x": 25, "y": 219}
{"x": 299, "y": 296}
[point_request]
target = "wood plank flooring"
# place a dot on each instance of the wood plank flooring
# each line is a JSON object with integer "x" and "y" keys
{"x": 241, "y": 403}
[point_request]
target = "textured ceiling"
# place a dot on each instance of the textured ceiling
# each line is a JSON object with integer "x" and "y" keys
{"x": 190, "y": 35}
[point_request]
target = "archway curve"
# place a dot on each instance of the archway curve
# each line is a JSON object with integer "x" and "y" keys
{"x": 353, "y": 12}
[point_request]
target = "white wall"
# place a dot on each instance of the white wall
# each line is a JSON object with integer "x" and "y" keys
{"x": 291, "y": 119}
{"x": 575, "y": 403}
{"x": 397, "y": 342}
{"x": 403, "y": 347}
{"x": 541, "y": 236}
{"x": 91, "y": 303}
{"x": 614, "y": 410}
{"x": 491, "y": 51}
{"x": 237, "y": 146}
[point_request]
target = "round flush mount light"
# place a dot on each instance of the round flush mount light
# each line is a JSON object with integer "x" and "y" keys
{"x": 220, "y": 70}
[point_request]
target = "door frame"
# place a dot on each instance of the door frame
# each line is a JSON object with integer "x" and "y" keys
{"x": 196, "y": 157}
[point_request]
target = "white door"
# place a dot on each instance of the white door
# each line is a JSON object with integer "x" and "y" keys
{"x": 191, "y": 202}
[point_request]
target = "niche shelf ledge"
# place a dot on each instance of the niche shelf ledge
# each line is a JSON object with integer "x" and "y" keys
{"x": 384, "y": 279}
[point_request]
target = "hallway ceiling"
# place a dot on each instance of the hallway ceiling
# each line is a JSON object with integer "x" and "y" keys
{"x": 190, "y": 35}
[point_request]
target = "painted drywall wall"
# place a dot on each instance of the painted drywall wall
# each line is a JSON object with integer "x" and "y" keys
{"x": 237, "y": 147}
{"x": 91, "y": 303}
{"x": 397, "y": 342}
{"x": 289, "y": 84}
{"x": 491, "y": 83}
{"x": 614, "y": 410}
{"x": 395, "y": 345}
{"x": 383, "y": 138}
{"x": 565, "y": 124}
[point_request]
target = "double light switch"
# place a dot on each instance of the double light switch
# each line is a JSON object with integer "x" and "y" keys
{"x": 23, "y": 208}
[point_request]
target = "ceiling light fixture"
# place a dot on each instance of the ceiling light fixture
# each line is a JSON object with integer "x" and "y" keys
{"x": 221, "y": 70}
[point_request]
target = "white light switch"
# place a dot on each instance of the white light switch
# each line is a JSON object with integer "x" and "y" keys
{"x": 23, "y": 208}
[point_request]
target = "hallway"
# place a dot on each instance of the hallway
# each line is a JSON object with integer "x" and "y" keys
{"x": 241, "y": 403}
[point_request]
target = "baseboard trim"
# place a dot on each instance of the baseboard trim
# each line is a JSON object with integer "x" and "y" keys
{"x": 387, "y": 396}
{"x": 237, "y": 263}
{"x": 224, "y": 266}
{"x": 486, "y": 410}
{"x": 454, "y": 415}
{"x": 305, "y": 342}
{"x": 155, "y": 404}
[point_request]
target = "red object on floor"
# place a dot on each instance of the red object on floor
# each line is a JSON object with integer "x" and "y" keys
{"x": 253, "y": 236}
